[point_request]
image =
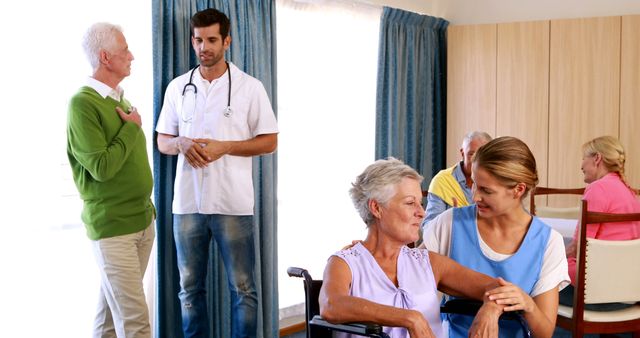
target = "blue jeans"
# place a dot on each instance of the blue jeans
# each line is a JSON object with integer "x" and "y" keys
{"x": 234, "y": 236}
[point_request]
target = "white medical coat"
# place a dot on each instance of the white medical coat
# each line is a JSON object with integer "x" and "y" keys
{"x": 225, "y": 186}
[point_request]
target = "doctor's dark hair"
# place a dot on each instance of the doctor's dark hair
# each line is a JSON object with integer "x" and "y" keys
{"x": 510, "y": 161}
{"x": 379, "y": 182}
{"x": 208, "y": 17}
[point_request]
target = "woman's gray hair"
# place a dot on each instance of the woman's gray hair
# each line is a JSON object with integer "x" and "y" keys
{"x": 379, "y": 182}
{"x": 100, "y": 36}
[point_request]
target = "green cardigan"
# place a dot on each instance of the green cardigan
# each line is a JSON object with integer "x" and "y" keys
{"x": 110, "y": 166}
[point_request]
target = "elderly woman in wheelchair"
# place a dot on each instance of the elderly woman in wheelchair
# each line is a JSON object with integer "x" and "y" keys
{"x": 382, "y": 280}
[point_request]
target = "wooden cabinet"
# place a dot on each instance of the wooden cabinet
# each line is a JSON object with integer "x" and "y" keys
{"x": 471, "y": 84}
{"x": 630, "y": 96}
{"x": 557, "y": 84}
{"x": 523, "y": 87}
{"x": 584, "y": 93}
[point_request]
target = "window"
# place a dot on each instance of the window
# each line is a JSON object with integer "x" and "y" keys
{"x": 326, "y": 84}
{"x": 50, "y": 279}
{"x": 327, "y": 66}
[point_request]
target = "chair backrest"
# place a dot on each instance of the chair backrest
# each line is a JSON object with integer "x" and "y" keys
{"x": 312, "y": 293}
{"x": 558, "y": 212}
{"x": 612, "y": 273}
{"x": 607, "y": 271}
{"x": 554, "y": 212}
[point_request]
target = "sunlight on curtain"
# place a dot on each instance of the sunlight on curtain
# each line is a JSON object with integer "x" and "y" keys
{"x": 327, "y": 63}
{"x": 50, "y": 280}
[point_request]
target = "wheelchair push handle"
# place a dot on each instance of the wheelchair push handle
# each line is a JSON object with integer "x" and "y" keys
{"x": 296, "y": 272}
{"x": 299, "y": 272}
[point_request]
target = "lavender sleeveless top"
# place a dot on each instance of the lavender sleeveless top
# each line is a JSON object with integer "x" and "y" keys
{"x": 416, "y": 285}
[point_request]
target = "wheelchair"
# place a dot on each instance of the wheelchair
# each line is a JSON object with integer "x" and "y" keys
{"x": 317, "y": 327}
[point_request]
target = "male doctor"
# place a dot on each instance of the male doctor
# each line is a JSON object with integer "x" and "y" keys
{"x": 215, "y": 118}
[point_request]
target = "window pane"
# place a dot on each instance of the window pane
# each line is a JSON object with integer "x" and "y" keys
{"x": 50, "y": 278}
{"x": 327, "y": 66}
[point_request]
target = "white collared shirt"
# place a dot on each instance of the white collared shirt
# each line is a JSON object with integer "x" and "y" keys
{"x": 104, "y": 90}
{"x": 225, "y": 186}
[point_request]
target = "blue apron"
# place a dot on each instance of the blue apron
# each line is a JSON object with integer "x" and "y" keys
{"x": 521, "y": 269}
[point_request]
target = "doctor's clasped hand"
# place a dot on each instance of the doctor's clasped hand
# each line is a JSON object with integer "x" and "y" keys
{"x": 193, "y": 154}
{"x": 213, "y": 149}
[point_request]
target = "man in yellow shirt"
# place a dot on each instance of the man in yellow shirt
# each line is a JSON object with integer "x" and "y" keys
{"x": 451, "y": 187}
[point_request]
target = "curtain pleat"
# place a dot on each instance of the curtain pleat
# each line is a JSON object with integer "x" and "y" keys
{"x": 252, "y": 50}
{"x": 411, "y": 90}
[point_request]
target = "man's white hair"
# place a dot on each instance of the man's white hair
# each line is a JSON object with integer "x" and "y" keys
{"x": 481, "y": 135}
{"x": 100, "y": 36}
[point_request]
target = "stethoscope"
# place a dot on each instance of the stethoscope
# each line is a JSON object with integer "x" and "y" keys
{"x": 189, "y": 101}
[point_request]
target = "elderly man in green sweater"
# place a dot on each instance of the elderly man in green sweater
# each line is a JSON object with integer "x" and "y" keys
{"x": 107, "y": 152}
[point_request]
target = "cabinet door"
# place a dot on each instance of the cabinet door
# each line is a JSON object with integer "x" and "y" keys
{"x": 471, "y": 84}
{"x": 523, "y": 87}
{"x": 630, "y": 97}
{"x": 584, "y": 93}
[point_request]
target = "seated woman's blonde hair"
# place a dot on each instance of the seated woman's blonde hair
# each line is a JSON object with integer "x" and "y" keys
{"x": 612, "y": 153}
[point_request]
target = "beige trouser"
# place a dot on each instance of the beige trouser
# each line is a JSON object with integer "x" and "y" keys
{"x": 122, "y": 309}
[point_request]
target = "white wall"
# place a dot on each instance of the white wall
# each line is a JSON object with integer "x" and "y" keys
{"x": 47, "y": 263}
{"x": 461, "y": 12}
{"x": 417, "y": 6}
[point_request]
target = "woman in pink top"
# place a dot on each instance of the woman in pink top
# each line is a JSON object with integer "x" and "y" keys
{"x": 607, "y": 191}
{"x": 381, "y": 280}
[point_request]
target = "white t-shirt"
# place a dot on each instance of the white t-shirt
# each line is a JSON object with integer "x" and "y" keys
{"x": 225, "y": 186}
{"x": 554, "y": 271}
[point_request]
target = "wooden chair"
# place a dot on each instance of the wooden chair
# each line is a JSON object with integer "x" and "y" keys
{"x": 554, "y": 212}
{"x": 608, "y": 271}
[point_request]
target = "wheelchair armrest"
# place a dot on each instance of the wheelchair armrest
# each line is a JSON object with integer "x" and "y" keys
{"x": 461, "y": 306}
{"x": 470, "y": 307}
{"x": 363, "y": 329}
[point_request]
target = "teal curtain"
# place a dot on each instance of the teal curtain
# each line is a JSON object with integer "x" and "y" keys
{"x": 253, "y": 49}
{"x": 411, "y": 90}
